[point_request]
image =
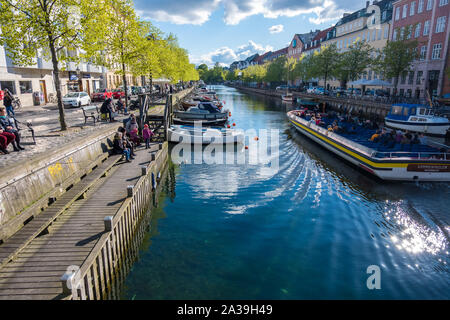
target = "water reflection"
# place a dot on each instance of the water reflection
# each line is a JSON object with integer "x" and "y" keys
{"x": 308, "y": 231}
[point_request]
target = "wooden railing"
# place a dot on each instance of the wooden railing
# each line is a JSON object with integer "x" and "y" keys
{"x": 93, "y": 280}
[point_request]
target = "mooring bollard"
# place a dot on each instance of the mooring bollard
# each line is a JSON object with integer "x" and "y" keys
{"x": 144, "y": 170}
{"x": 130, "y": 191}
{"x": 108, "y": 223}
{"x": 160, "y": 146}
{"x": 153, "y": 156}
{"x": 67, "y": 282}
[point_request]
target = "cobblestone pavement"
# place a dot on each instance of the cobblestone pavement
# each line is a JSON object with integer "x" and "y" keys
{"x": 45, "y": 120}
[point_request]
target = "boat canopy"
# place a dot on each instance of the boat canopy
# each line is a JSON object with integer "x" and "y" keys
{"x": 403, "y": 111}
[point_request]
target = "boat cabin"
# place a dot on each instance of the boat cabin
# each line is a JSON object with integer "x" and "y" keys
{"x": 405, "y": 111}
{"x": 204, "y": 107}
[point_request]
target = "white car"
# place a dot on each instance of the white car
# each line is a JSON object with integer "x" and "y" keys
{"x": 311, "y": 90}
{"x": 76, "y": 99}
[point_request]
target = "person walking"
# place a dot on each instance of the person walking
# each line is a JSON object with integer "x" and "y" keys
{"x": 7, "y": 102}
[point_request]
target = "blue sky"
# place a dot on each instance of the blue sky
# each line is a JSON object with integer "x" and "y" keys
{"x": 227, "y": 30}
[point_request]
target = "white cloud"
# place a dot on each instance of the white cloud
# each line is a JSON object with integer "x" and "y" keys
{"x": 197, "y": 12}
{"x": 225, "y": 55}
{"x": 276, "y": 29}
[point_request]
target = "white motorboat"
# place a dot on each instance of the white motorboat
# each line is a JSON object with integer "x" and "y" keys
{"x": 288, "y": 97}
{"x": 199, "y": 135}
{"x": 416, "y": 118}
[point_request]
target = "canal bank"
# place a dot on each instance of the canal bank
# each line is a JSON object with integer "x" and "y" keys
{"x": 82, "y": 215}
{"x": 362, "y": 107}
{"x": 308, "y": 231}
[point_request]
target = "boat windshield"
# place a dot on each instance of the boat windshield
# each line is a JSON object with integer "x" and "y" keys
{"x": 397, "y": 110}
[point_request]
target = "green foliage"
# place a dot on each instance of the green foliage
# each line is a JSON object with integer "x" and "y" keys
{"x": 324, "y": 63}
{"x": 255, "y": 73}
{"x": 397, "y": 57}
{"x": 276, "y": 70}
{"x": 214, "y": 75}
{"x": 353, "y": 62}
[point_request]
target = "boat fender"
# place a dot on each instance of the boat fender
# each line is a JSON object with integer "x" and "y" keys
{"x": 229, "y": 114}
{"x": 154, "y": 184}
{"x": 246, "y": 147}
{"x": 234, "y": 124}
{"x": 256, "y": 139}
{"x": 228, "y": 126}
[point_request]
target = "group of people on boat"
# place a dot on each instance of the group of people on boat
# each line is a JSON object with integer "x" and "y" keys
{"x": 346, "y": 124}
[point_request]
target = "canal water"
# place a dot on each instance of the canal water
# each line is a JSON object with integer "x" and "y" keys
{"x": 308, "y": 231}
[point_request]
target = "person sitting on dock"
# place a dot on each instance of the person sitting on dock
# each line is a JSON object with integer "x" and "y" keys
{"x": 120, "y": 147}
{"x": 129, "y": 144}
{"x": 8, "y": 124}
{"x": 132, "y": 124}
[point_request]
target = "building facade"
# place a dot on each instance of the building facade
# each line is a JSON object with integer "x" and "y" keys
{"x": 371, "y": 24}
{"x": 429, "y": 24}
{"x": 37, "y": 78}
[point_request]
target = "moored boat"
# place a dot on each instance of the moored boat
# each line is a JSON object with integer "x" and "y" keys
{"x": 416, "y": 118}
{"x": 288, "y": 97}
{"x": 199, "y": 135}
{"x": 403, "y": 162}
{"x": 203, "y": 111}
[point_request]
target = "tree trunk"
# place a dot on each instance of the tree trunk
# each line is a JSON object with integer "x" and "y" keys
{"x": 395, "y": 85}
{"x": 125, "y": 85}
{"x": 62, "y": 117}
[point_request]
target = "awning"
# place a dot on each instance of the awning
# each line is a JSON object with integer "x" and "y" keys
{"x": 374, "y": 82}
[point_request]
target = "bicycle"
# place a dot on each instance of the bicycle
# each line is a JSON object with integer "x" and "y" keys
{"x": 52, "y": 98}
{"x": 16, "y": 104}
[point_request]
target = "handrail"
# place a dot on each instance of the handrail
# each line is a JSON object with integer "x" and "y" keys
{"x": 92, "y": 279}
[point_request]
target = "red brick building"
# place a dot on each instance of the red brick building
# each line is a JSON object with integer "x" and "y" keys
{"x": 429, "y": 20}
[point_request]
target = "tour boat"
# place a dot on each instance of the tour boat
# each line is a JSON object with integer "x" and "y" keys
{"x": 199, "y": 135}
{"x": 403, "y": 162}
{"x": 416, "y": 118}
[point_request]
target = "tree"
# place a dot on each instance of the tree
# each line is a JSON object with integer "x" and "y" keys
{"x": 290, "y": 66}
{"x": 116, "y": 37}
{"x": 324, "y": 63}
{"x": 353, "y": 62}
{"x": 276, "y": 70}
{"x": 397, "y": 57}
{"x": 302, "y": 69}
{"x": 51, "y": 28}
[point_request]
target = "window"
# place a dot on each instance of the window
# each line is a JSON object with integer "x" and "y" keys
{"x": 383, "y": 16}
{"x": 411, "y": 77}
{"x": 429, "y": 5}
{"x": 10, "y": 85}
{"x": 409, "y": 30}
{"x": 25, "y": 87}
{"x": 419, "y": 77}
{"x": 443, "y": 2}
{"x": 394, "y": 36}
{"x": 423, "y": 52}
{"x": 402, "y": 32}
{"x": 440, "y": 24}
{"x": 417, "y": 32}
{"x": 405, "y": 11}
{"x": 426, "y": 28}
{"x": 412, "y": 9}
{"x": 397, "y": 13}
{"x": 386, "y": 32}
{"x": 436, "y": 53}
{"x": 379, "y": 35}
{"x": 403, "y": 78}
{"x": 420, "y": 6}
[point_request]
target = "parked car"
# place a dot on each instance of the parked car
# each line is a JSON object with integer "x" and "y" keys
{"x": 311, "y": 90}
{"x": 354, "y": 91}
{"x": 282, "y": 87}
{"x": 339, "y": 92}
{"x": 76, "y": 99}
{"x": 101, "y": 95}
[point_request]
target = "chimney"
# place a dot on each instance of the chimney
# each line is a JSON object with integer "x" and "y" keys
{"x": 367, "y": 4}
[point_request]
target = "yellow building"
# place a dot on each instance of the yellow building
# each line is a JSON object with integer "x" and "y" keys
{"x": 371, "y": 24}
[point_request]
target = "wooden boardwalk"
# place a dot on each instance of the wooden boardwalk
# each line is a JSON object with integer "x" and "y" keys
{"x": 36, "y": 269}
